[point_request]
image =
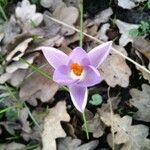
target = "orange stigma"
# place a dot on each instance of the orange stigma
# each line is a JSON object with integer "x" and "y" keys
{"x": 77, "y": 69}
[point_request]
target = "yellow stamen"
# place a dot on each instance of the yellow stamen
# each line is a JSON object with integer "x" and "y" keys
{"x": 77, "y": 69}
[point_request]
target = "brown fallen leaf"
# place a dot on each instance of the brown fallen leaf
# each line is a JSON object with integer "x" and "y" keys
{"x": 115, "y": 70}
{"x": 10, "y": 29}
{"x": 103, "y": 16}
{"x": 52, "y": 126}
{"x": 131, "y": 136}
{"x": 17, "y": 70}
{"x": 75, "y": 144}
{"x": 141, "y": 100}
{"x": 143, "y": 46}
{"x": 124, "y": 29}
{"x": 27, "y": 15}
{"x": 96, "y": 126}
{"x": 15, "y": 65}
{"x": 62, "y": 12}
{"x": 37, "y": 86}
{"x": 102, "y": 32}
{"x": 129, "y": 4}
{"x": 145, "y": 74}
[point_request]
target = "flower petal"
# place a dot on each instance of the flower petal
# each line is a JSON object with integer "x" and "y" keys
{"x": 91, "y": 77}
{"x": 62, "y": 75}
{"x": 79, "y": 97}
{"x": 78, "y": 55}
{"x": 54, "y": 56}
{"x": 99, "y": 53}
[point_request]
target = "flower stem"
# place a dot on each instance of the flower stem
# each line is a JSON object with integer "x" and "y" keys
{"x": 81, "y": 23}
{"x": 85, "y": 125}
{"x": 81, "y": 45}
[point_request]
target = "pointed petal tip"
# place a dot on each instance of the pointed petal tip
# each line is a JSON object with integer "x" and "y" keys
{"x": 54, "y": 56}
{"x": 79, "y": 97}
{"x": 98, "y": 54}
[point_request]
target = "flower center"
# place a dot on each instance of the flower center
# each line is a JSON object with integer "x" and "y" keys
{"x": 77, "y": 69}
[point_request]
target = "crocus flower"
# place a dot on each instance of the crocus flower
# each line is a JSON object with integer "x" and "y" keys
{"x": 78, "y": 70}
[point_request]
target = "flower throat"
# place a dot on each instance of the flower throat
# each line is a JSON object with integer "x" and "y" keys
{"x": 77, "y": 69}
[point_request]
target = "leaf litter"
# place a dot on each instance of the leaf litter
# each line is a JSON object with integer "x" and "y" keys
{"x": 124, "y": 126}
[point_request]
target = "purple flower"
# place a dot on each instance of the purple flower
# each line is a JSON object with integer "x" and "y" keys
{"x": 78, "y": 70}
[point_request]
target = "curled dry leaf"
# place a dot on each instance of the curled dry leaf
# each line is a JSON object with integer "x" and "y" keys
{"x": 20, "y": 65}
{"x": 37, "y": 86}
{"x": 26, "y": 13}
{"x": 52, "y": 126}
{"x": 141, "y": 100}
{"x": 21, "y": 48}
{"x": 115, "y": 70}
{"x": 75, "y": 144}
{"x": 124, "y": 29}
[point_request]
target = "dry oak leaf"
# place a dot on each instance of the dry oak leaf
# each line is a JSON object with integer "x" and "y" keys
{"x": 141, "y": 100}
{"x": 131, "y": 136}
{"x": 143, "y": 46}
{"x": 62, "y": 13}
{"x": 10, "y": 29}
{"x": 52, "y": 126}
{"x": 115, "y": 70}
{"x": 37, "y": 86}
{"x": 102, "y": 32}
{"x": 26, "y": 13}
{"x": 124, "y": 29}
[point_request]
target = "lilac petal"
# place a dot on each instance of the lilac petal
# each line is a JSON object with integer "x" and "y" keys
{"x": 79, "y": 97}
{"x": 78, "y": 55}
{"x": 54, "y": 56}
{"x": 62, "y": 75}
{"x": 99, "y": 54}
{"x": 91, "y": 77}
